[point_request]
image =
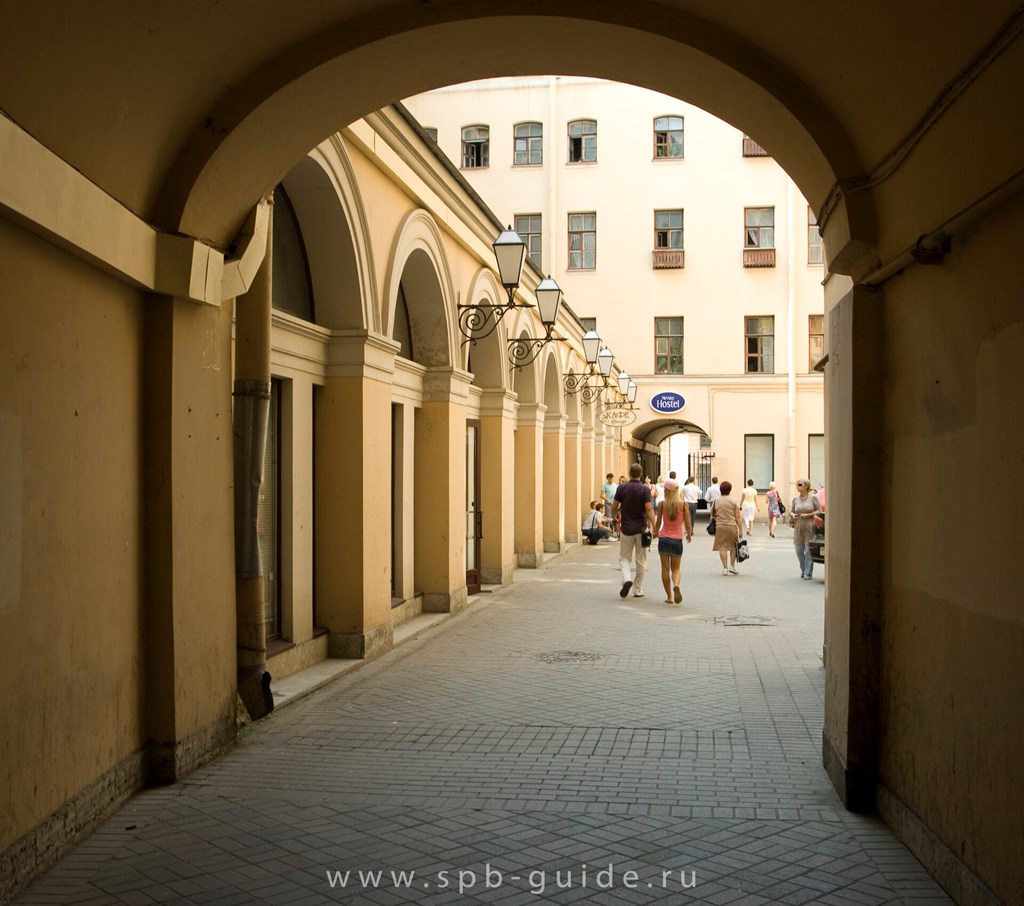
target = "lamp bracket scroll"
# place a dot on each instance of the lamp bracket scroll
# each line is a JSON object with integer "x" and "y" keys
{"x": 524, "y": 351}
{"x": 479, "y": 321}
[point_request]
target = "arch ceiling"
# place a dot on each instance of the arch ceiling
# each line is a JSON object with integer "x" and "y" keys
{"x": 655, "y": 431}
{"x": 188, "y": 112}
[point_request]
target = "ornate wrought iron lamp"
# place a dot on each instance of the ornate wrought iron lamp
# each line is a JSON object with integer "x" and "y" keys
{"x": 523, "y": 351}
{"x": 479, "y": 321}
{"x": 581, "y": 383}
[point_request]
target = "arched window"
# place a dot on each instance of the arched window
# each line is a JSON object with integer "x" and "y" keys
{"x": 583, "y": 141}
{"x": 476, "y": 144}
{"x": 403, "y": 330}
{"x": 292, "y": 289}
{"x": 668, "y": 137}
{"x": 529, "y": 141}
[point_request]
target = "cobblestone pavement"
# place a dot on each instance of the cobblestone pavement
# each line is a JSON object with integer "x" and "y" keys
{"x": 555, "y": 742}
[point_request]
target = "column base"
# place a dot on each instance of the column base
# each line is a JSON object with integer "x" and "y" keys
{"x": 362, "y": 645}
{"x": 451, "y": 602}
{"x": 855, "y": 786}
{"x": 942, "y": 863}
{"x": 498, "y": 575}
{"x": 39, "y": 849}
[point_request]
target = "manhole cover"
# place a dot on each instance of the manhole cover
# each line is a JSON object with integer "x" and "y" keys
{"x": 568, "y": 657}
{"x": 746, "y": 621}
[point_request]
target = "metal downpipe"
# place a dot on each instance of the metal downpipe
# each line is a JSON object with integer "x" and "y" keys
{"x": 251, "y": 417}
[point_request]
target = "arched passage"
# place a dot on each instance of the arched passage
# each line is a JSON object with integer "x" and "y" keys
{"x": 828, "y": 96}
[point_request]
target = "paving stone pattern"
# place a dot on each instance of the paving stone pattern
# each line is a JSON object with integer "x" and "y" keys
{"x": 554, "y": 743}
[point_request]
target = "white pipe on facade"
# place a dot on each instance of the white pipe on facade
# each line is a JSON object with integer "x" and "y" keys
{"x": 791, "y": 426}
{"x": 550, "y": 233}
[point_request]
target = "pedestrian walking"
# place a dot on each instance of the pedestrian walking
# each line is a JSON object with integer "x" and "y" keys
{"x": 775, "y": 508}
{"x": 690, "y": 494}
{"x": 728, "y": 528}
{"x": 802, "y": 510}
{"x": 634, "y": 509}
{"x": 672, "y": 523}
{"x": 750, "y": 505}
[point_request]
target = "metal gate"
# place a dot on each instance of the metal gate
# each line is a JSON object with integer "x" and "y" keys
{"x": 700, "y": 467}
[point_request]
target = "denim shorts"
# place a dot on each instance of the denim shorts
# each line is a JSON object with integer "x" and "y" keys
{"x": 672, "y": 547}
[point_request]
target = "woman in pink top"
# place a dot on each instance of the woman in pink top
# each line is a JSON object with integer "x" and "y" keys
{"x": 673, "y": 521}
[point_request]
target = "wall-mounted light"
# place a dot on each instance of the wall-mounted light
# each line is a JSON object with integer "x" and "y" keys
{"x": 523, "y": 351}
{"x": 479, "y": 321}
{"x": 581, "y": 383}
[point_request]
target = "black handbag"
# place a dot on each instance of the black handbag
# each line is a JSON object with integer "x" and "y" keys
{"x": 782, "y": 508}
{"x": 645, "y": 539}
{"x": 742, "y": 551}
{"x": 711, "y": 526}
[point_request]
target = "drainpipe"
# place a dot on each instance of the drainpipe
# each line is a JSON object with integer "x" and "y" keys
{"x": 791, "y": 344}
{"x": 251, "y": 415}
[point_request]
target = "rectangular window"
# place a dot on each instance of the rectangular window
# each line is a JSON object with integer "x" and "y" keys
{"x": 760, "y": 345}
{"x": 529, "y": 142}
{"x": 431, "y": 131}
{"x": 668, "y": 137}
{"x": 476, "y": 142}
{"x": 815, "y": 339}
{"x": 816, "y": 460}
{"x": 528, "y": 227}
{"x": 589, "y": 324}
{"x": 814, "y": 251}
{"x": 668, "y": 345}
{"x": 668, "y": 229}
{"x": 759, "y": 459}
{"x": 759, "y": 237}
{"x": 582, "y": 241}
{"x": 760, "y": 228}
{"x": 582, "y": 141}
{"x": 668, "y": 239}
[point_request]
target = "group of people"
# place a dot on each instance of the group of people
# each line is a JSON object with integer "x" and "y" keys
{"x": 640, "y": 512}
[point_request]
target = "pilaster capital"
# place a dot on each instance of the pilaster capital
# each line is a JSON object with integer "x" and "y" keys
{"x": 361, "y": 353}
{"x": 450, "y": 385}
{"x": 554, "y": 423}
{"x": 531, "y": 415}
{"x": 500, "y": 403}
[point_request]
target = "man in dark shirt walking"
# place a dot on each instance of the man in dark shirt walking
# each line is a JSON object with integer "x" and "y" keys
{"x": 633, "y": 504}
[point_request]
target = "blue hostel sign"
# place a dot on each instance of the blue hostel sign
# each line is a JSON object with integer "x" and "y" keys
{"x": 667, "y": 402}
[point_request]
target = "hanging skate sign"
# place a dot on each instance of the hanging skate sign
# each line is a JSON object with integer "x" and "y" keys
{"x": 617, "y": 416}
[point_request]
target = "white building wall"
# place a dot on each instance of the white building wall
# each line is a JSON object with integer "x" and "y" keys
{"x": 713, "y": 292}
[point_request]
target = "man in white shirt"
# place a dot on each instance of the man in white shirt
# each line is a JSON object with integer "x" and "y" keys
{"x": 690, "y": 493}
{"x": 712, "y": 493}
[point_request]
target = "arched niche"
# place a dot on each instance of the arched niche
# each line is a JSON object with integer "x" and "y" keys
{"x": 419, "y": 274}
{"x": 322, "y": 192}
{"x": 486, "y": 357}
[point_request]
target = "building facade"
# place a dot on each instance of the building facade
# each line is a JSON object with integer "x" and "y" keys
{"x": 682, "y": 242}
{"x": 136, "y": 147}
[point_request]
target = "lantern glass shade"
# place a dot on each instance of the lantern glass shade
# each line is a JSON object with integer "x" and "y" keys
{"x": 549, "y": 295}
{"x": 510, "y": 251}
{"x": 591, "y": 343}
{"x": 631, "y": 392}
{"x": 605, "y": 360}
{"x": 623, "y": 383}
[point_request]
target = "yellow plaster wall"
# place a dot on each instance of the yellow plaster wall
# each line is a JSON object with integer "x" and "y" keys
{"x": 952, "y": 728}
{"x": 70, "y": 472}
